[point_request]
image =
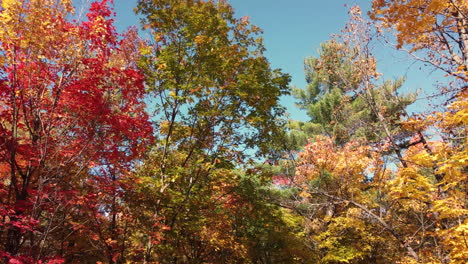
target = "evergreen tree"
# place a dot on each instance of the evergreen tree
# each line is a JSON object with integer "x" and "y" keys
{"x": 337, "y": 105}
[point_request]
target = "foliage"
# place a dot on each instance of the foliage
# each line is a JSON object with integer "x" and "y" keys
{"x": 336, "y": 104}
{"x": 207, "y": 71}
{"x": 215, "y": 98}
{"x": 421, "y": 207}
{"x": 434, "y": 187}
{"x": 348, "y": 193}
{"x": 333, "y": 180}
{"x": 345, "y": 98}
{"x": 437, "y": 27}
{"x": 72, "y": 122}
{"x": 121, "y": 150}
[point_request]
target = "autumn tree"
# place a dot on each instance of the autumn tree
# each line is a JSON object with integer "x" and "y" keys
{"x": 340, "y": 178}
{"x": 434, "y": 31}
{"x": 419, "y": 205}
{"x": 347, "y": 100}
{"x": 344, "y": 208}
{"x": 432, "y": 186}
{"x": 214, "y": 100}
{"x": 72, "y": 121}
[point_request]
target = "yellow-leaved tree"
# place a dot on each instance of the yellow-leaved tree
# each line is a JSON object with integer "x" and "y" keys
{"x": 429, "y": 195}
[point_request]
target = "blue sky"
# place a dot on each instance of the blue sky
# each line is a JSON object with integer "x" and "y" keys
{"x": 294, "y": 29}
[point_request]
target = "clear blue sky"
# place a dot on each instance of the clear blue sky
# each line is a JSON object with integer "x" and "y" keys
{"x": 294, "y": 29}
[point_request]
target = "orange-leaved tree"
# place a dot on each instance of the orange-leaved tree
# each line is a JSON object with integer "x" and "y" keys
{"x": 438, "y": 28}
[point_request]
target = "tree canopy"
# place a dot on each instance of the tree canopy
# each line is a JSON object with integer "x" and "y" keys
{"x": 175, "y": 148}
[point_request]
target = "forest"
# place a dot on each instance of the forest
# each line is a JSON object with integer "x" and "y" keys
{"x": 175, "y": 148}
